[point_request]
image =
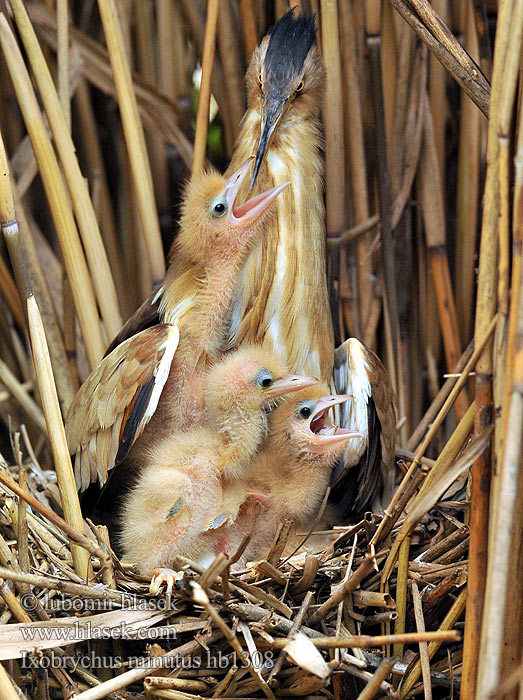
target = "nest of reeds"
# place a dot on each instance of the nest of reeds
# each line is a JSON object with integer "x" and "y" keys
{"x": 316, "y": 615}
{"x": 424, "y": 194}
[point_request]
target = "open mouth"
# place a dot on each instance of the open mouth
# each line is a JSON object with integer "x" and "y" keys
{"x": 321, "y": 425}
{"x": 323, "y": 432}
{"x": 253, "y": 208}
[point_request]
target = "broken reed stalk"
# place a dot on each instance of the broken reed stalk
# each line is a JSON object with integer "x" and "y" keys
{"x": 57, "y": 197}
{"x": 85, "y": 215}
{"x": 134, "y": 138}
{"x": 472, "y": 85}
{"x": 168, "y": 660}
{"x": 204, "y": 100}
{"x": 56, "y": 433}
{"x": 334, "y": 148}
{"x": 485, "y": 310}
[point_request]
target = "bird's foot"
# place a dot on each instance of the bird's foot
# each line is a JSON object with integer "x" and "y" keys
{"x": 161, "y": 576}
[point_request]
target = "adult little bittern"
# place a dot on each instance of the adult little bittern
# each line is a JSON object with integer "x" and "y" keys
{"x": 280, "y": 299}
{"x": 192, "y": 484}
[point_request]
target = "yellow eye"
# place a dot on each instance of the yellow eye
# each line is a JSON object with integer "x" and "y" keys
{"x": 260, "y": 78}
{"x": 300, "y": 86}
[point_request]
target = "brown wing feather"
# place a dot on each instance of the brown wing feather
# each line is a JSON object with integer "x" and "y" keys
{"x": 117, "y": 400}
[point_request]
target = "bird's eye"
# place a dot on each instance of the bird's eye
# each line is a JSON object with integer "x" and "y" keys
{"x": 305, "y": 411}
{"x": 260, "y": 78}
{"x": 264, "y": 379}
{"x": 218, "y": 208}
{"x": 300, "y": 86}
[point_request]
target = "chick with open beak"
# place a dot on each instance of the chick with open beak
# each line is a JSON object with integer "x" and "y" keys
{"x": 289, "y": 476}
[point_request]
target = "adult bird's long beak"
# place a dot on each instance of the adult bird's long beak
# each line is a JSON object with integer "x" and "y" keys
{"x": 253, "y": 208}
{"x": 287, "y": 384}
{"x": 323, "y": 434}
{"x": 273, "y": 110}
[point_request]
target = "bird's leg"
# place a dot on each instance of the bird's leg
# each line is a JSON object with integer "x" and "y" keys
{"x": 165, "y": 575}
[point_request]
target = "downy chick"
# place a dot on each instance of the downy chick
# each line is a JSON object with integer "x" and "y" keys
{"x": 289, "y": 476}
{"x": 155, "y": 377}
{"x": 195, "y": 482}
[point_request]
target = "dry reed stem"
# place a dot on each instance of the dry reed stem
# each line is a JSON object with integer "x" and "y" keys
{"x": 439, "y": 400}
{"x": 10, "y": 294}
{"x": 334, "y": 145}
{"x": 7, "y": 689}
{"x": 127, "y": 677}
{"x": 469, "y": 170}
{"x": 385, "y": 523}
{"x": 475, "y": 88}
{"x": 202, "y": 115}
{"x": 57, "y": 197}
{"x": 394, "y": 348}
{"x": 448, "y": 622}
{"x": 56, "y": 433}
{"x": 62, "y": 55}
{"x": 22, "y": 396}
{"x": 201, "y": 598}
{"x": 502, "y": 543}
{"x": 84, "y": 211}
{"x": 433, "y": 210}
{"x": 145, "y": 34}
{"x": 375, "y": 682}
{"x": 423, "y": 648}
{"x": 441, "y": 465}
{"x": 401, "y": 594}
{"x": 231, "y": 61}
{"x": 365, "y": 641}
{"x": 134, "y": 138}
{"x": 248, "y": 24}
{"x": 26, "y": 247}
{"x": 448, "y": 41}
{"x": 485, "y": 309}
{"x": 22, "y": 529}
{"x": 157, "y": 111}
{"x": 356, "y": 148}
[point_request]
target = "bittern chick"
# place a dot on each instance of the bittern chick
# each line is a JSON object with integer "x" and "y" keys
{"x": 290, "y": 475}
{"x": 195, "y": 482}
{"x": 156, "y": 375}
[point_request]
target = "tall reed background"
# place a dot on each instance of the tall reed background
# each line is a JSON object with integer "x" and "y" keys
{"x": 102, "y": 121}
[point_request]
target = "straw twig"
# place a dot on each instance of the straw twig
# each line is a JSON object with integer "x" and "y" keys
{"x": 134, "y": 137}
{"x": 202, "y": 115}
